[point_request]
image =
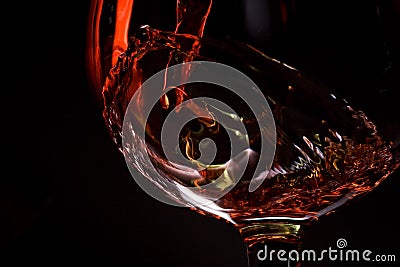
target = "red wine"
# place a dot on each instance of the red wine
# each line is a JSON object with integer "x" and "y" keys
{"x": 326, "y": 153}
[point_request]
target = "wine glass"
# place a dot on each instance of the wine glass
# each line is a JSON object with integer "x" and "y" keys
{"x": 206, "y": 118}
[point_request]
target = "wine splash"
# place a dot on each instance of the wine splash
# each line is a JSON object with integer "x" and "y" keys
{"x": 327, "y": 152}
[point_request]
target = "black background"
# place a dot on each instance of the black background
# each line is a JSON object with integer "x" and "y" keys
{"x": 66, "y": 195}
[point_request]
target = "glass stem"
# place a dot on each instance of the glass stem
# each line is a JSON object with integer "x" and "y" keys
{"x": 272, "y": 244}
